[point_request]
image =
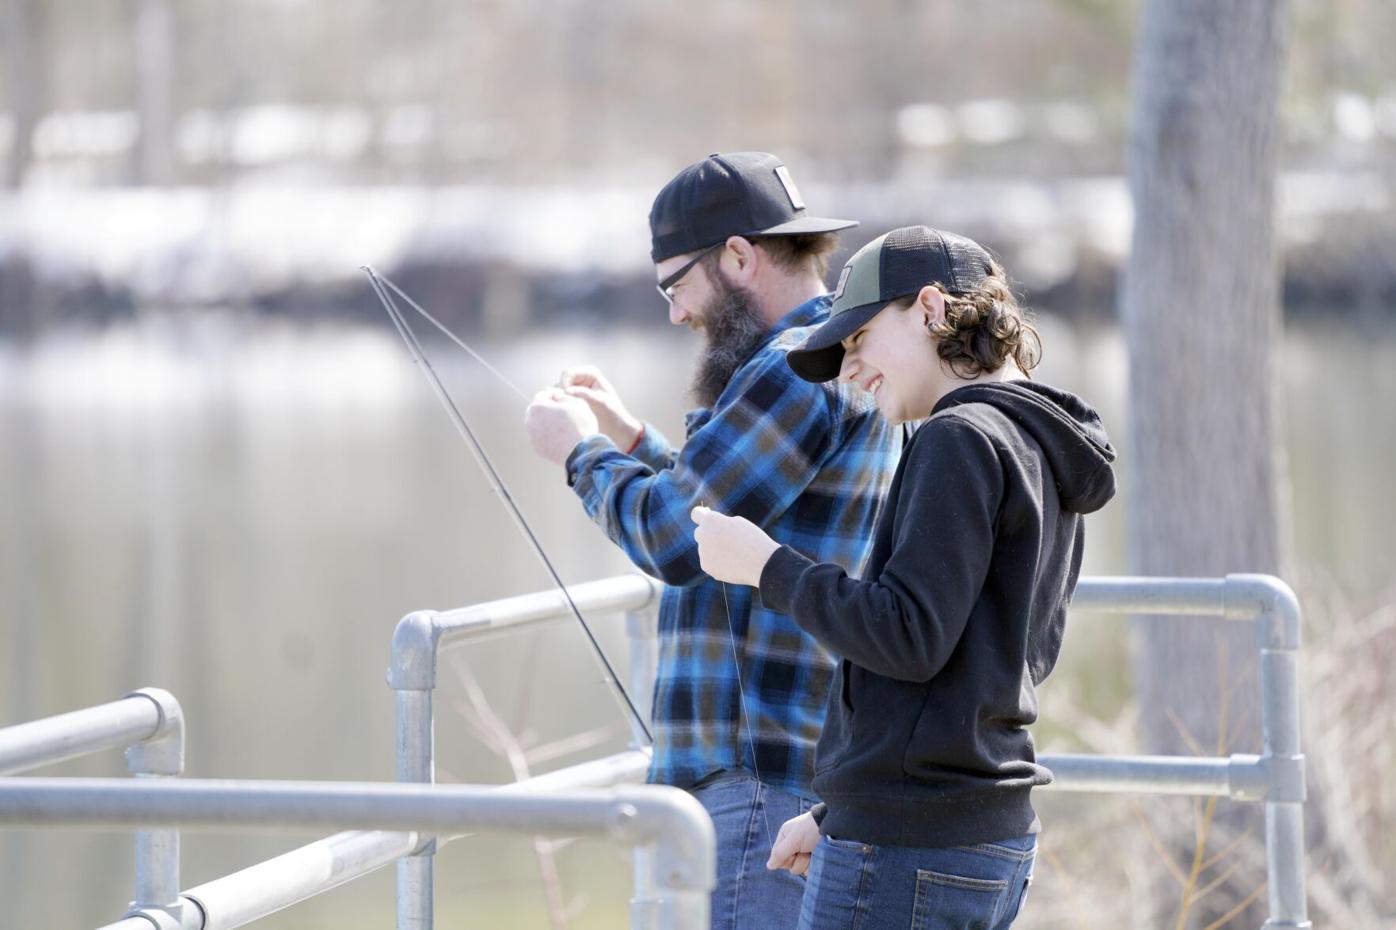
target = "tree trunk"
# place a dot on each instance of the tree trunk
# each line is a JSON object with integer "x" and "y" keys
{"x": 154, "y": 42}
{"x": 1201, "y": 320}
{"x": 22, "y": 78}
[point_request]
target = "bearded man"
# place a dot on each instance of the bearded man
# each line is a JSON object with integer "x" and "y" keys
{"x": 740, "y": 693}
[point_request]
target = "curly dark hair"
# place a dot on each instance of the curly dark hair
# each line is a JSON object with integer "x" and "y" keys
{"x": 984, "y": 328}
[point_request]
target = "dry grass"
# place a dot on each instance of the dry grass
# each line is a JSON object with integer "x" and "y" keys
{"x": 1155, "y": 863}
{"x": 1176, "y": 863}
{"x": 519, "y": 747}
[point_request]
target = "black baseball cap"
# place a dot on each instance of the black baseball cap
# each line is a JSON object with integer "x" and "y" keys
{"x": 896, "y": 264}
{"x": 737, "y": 194}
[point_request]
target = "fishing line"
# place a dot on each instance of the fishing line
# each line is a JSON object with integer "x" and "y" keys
{"x": 414, "y": 348}
{"x": 741, "y": 694}
{"x": 449, "y": 335}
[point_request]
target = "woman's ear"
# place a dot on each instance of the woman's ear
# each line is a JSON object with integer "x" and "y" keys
{"x": 930, "y": 303}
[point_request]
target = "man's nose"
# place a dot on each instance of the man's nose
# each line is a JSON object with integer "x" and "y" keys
{"x": 848, "y": 368}
{"x": 677, "y": 315}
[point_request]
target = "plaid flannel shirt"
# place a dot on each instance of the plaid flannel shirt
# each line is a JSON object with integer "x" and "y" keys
{"x": 810, "y": 464}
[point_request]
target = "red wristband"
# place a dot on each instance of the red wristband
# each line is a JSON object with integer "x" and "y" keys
{"x": 636, "y": 444}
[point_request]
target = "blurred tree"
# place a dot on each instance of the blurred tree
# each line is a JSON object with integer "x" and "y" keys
{"x": 22, "y": 76}
{"x": 154, "y": 44}
{"x": 1202, "y": 322}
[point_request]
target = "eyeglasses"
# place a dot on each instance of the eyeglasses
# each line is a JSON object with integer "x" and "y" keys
{"x": 666, "y": 287}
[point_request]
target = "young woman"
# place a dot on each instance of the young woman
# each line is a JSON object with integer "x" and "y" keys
{"x": 925, "y": 765}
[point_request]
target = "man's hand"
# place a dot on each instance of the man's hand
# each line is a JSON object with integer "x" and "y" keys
{"x": 587, "y": 383}
{"x": 731, "y": 548}
{"x": 795, "y": 844}
{"x": 556, "y": 423}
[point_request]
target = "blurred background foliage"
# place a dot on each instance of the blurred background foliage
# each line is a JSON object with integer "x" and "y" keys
{"x": 219, "y": 475}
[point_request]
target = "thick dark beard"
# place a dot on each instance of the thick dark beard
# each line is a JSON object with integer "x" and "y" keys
{"x": 734, "y": 329}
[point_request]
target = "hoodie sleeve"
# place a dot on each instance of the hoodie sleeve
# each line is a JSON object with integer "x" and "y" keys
{"x": 904, "y": 623}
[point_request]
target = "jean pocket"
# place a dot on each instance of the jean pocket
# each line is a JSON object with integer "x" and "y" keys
{"x": 1016, "y": 908}
{"x": 852, "y": 846}
{"x": 945, "y": 901}
{"x": 1003, "y": 850}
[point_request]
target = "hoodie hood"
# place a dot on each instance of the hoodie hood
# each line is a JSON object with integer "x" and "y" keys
{"x": 1068, "y": 430}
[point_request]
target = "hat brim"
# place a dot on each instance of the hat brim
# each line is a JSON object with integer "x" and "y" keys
{"x": 820, "y": 356}
{"x": 802, "y": 225}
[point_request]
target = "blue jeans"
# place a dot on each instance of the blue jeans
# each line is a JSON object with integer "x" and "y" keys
{"x": 856, "y": 886}
{"x": 748, "y": 896}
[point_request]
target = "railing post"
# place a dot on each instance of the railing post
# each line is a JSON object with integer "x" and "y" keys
{"x": 157, "y": 895}
{"x": 1277, "y": 622}
{"x": 641, "y": 626}
{"x": 412, "y": 676}
{"x": 645, "y": 904}
{"x": 685, "y": 865}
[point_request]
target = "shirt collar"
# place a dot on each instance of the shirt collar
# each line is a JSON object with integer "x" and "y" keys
{"x": 810, "y": 313}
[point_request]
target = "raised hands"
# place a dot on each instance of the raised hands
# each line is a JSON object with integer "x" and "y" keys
{"x": 586, "y": 382}
{"x": 556, "y": 422}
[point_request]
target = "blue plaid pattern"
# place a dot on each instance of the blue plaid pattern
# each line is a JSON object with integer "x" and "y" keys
{"x": 809, "y": 463}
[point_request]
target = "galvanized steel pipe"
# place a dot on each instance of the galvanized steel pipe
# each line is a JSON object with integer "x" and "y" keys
{"x": 79, "y": 733}
{"x": 416, "y": 763}
{"x": 157, "y": 851}
{"x": 669, "y": 818}
{"x": 1177, "y": 596}
{"x": 275, "y": 884}
{"x": 1278, "y": 630}
{"x": 617, "y": 593}
{"x": 138, "y": 922}
{"x": 1284, "y": 859}
{"x": 270, "y": 886}
{"x": 1240, "y": 777}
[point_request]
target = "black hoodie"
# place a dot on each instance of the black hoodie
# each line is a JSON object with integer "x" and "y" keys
{"x": 974, "y": 560}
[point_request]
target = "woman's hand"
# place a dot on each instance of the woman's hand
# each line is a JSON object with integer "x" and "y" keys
{"x": 795, "y": 844}
{"x": 731, "y": 549}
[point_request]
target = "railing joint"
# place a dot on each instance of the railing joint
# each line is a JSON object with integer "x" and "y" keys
{"x": 161, "y": 753}
{"x": 1268, "y": 601}
{"x": 161, "y": 918}
{"x": 1247, "y": 777}
{"x": 1286, "y": 780}
{"x": 416, "y": 640}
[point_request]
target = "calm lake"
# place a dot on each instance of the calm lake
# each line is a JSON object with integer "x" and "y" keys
{"x": 240, "y": 510}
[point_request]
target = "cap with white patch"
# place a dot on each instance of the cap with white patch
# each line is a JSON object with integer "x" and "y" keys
{"x": 896, "y": 264}
{"x": 736, "y": 194}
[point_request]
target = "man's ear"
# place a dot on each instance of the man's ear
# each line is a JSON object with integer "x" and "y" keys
{"x": 930, "y": 303}
{"x": 738, "y": 261}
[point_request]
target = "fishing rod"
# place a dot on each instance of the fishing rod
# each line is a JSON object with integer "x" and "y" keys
{"x": 449, "y": 335}
{"x": 414, "y": 348}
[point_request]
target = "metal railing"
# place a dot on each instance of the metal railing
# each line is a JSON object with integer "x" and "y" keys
{"x": 1274, "y": 778}
{"x": 668, "y": 820}
{"x": 267, "y": 887}
{"x": 149, "y": 723}
{"x": 418, "y": 642}
{"x": 264, "y": 888}
{"x": 422, "y": 817}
